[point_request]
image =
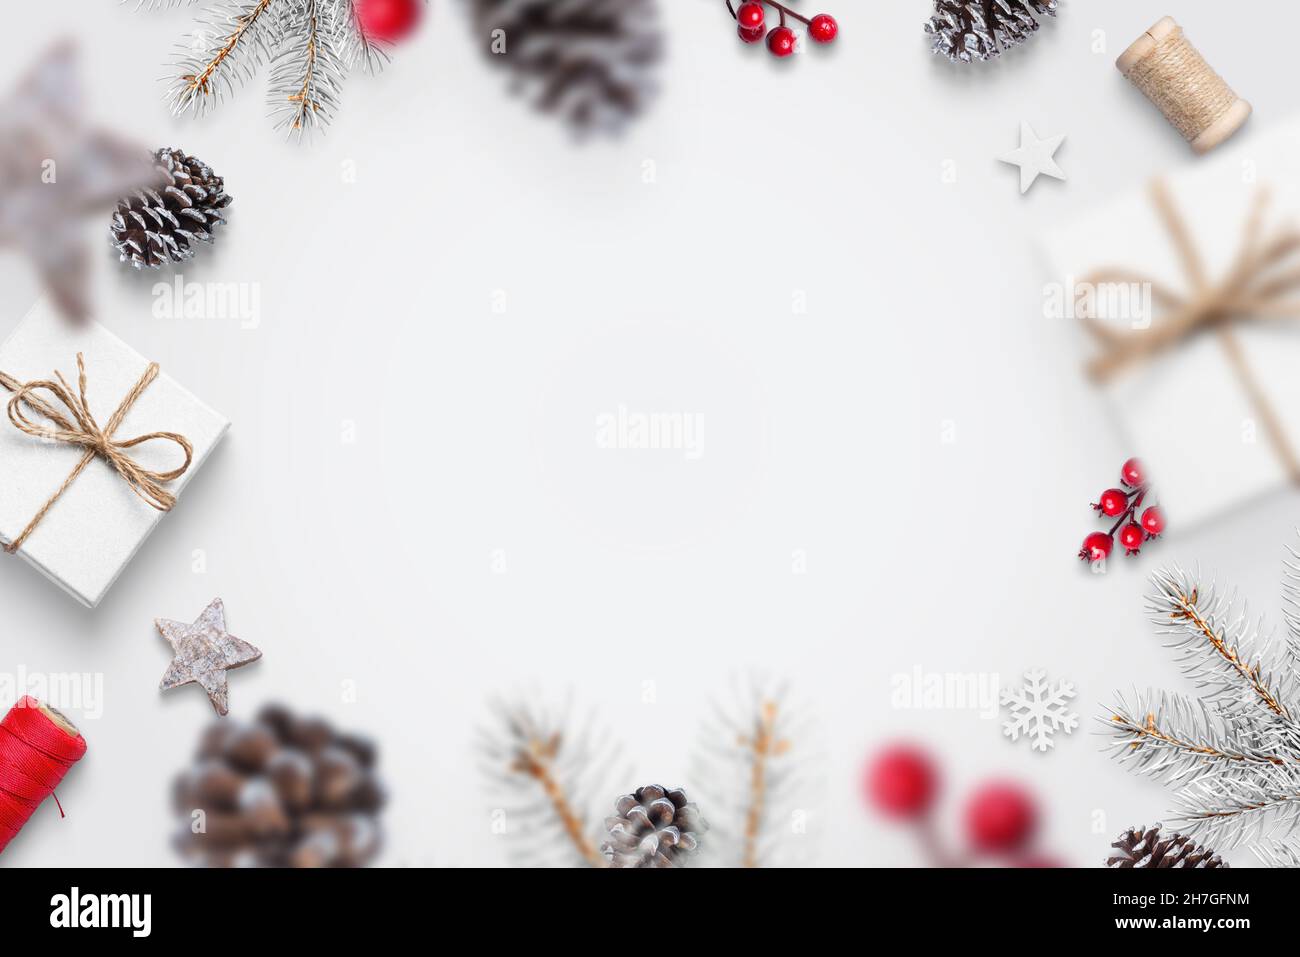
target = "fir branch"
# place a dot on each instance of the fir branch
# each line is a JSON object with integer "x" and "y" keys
{"x": 762, "y": 745}
{"x": 307, "y": 71}
{"x": 1277, "y": 854}
{"x": 1219, "y": 649}
{"x": 356, "y": 48}
{"x": 1171, "y": 737}
{"x": 244, "y": 34}
{"x": 1241, "y": 810}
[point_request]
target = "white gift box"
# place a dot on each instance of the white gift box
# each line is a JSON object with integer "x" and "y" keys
{"x": 95, "y": 528}
{"x": 1186, "y": 411}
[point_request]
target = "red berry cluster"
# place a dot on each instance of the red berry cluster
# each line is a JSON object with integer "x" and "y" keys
{"x": 751, "y": 25}
{"x": 1000, "y": 818}
{"x": 1122, "y": 504}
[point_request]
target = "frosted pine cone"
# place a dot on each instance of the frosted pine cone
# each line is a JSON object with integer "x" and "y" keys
{"x": 1142, "y": 847}
{"x": 589, "y": 62}
{"x": 966, "y": 30}
{"x": 655, "y": 826}
{"x": 165, "y": 221}
{"x": 281, "y": 792}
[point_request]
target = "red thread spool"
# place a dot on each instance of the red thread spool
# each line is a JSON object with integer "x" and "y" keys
{"x": 37, "y": 747}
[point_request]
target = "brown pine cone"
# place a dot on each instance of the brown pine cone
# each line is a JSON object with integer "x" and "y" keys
{"x": 282, "y": 792}
{"x": 165, "y": 221}
{"x": 655, "y": 826}
{"x": 1142, "y": 847}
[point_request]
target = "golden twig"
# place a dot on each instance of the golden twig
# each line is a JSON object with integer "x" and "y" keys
{"x": 763, "y": 746}
{"x": 537, "y": 762}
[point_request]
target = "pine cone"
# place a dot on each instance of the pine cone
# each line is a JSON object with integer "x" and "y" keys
{"x": 590, "y": 62}
{"x": 966, "y": 30}
{"x": 1139, "y": 847}
{"x": 282, "y": 792}
{"x": 655, "y": 827}
{"x": 165, "y": 221}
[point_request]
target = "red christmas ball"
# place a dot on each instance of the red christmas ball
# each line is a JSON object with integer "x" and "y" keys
{"x": 1153, "y": 520}
{"x": 901, "y": 781}
{"x": 781, "y": 41}
{"x": 1000, "y": 818}
{"x": 388, "y": 20}
{"x": 748, "y": 35}
{"x": 1096, "y": 547}
{"x": 750, "y": 15}
{"x": 823, "y": 28}
{"x": 1112, "y": 502}
{"x": 1132, "y": 474}
{"x": 1131, "y": 537}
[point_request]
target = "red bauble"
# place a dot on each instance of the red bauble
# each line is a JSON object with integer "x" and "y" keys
{"x": 781, "y": 41}
{"x": 1112, "y": 502}
{"x": 1096, "y": 547}
{"x": 1153, "y": 521}
{"x": 823, "y": 28}
{"x": 750, "y": 15}
{"x": 1132, "y": 474}
{"x": 1000, "y": 818}
{"x": 1131, "y": 537}
{"x": 748, "y": 35}
{"x": 901, "y": 781}
{"x": 388, "y": 20}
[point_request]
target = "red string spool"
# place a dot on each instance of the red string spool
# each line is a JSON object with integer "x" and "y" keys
{"x": 37, "y": 747}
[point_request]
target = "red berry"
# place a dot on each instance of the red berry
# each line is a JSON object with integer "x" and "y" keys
{"x": 1132, "y": 474}
{"x": 1153, "y": 521}
{"x": 901, "y": 781}
{"x": 1000, "y": 818}
{"x": 748, "y": 35}
{"x": 1096, "y": 547}
{"x": 750, "y": 15}
{"x": 1113, "y": 501}
{"x": 388, "y": 20}
{"x": 781, "y": 41}
{"x": 823, "y": 28}
{"x": 1131, "y": 537}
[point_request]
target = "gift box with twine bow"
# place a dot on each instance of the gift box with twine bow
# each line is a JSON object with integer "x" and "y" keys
{"x": 96, "y": 444}
{"x": 1186, "y": 294}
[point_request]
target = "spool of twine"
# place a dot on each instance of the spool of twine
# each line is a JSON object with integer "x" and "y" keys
{"x": 1173, "y": 75}
{"x": 37, "y": 747}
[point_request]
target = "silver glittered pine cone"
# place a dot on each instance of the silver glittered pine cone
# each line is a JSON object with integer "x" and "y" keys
{"x": 591, "y": 63}
{"x": 654, "y": 826}
{"x": 284, "y": 791}
{"x": 965, "y": 30}
{"x": 165, "y": 221}
{"x": 1147, "y": 847}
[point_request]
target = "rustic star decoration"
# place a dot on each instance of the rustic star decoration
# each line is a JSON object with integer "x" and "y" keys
{"x": 204, "y": 652}
{"x": 56, "y": 169}
{"x": 1035, "y": 156}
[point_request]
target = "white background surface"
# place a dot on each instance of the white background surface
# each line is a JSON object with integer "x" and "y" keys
{"x": 371, "y": 562}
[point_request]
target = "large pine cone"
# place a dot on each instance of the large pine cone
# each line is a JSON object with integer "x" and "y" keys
{"x": 590, "y": 62}
{"x": 165, "y": 221}
{"x": 966, "y": 30}
{"x": 282, "y": 792}
{"x": 1142, "y": 847}
{"x": 655, "y": 827}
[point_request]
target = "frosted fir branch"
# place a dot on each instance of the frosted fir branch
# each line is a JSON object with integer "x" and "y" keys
{"x": 1174, "y": 738}
{"x": 228, "y": 46}
{"x": 1241, "y": 811}
{"x": 1291, "y": 612}
{"x": 1217, "y": 646}
{"x": 307, "y": 71}
{"x": 1278, "y": 853}
{"x": 356, "y": 49}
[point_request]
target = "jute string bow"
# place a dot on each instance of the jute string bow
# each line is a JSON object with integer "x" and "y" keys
{"x": 80, "y": 428}
{"x": 1252, "y": 288}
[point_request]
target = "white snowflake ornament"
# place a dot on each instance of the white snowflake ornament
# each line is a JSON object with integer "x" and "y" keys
{"x": 1039, "y": 710}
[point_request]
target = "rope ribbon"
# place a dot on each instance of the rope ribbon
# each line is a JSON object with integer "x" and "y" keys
{"x": 1253, "y": 288}
{"x": 35, "y": 754}
{"x": 79, "y": 428}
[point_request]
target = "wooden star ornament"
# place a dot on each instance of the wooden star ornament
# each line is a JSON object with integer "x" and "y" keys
{"x": 204, "y": 652}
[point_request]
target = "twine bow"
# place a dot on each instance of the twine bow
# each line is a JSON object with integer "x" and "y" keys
{"x": 80, "y": 428}
{"x": 1252, "y": 288}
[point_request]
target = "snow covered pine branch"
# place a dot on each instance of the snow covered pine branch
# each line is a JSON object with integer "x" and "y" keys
{"x": 1233, "y": 749}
